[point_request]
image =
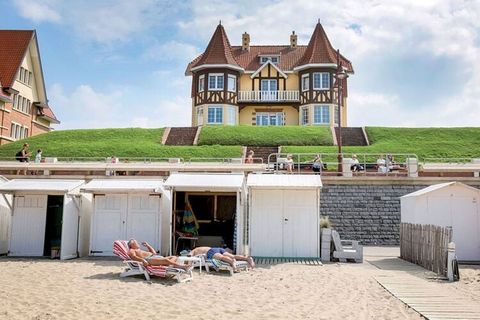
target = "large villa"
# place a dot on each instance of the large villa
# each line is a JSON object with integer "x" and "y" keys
{"x": 268, "y": 85}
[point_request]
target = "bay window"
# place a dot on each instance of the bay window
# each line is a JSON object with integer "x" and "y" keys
{"x": 215, "y": 81}
{"x": 305, "y": 82}
{"x": 201, "y": 83}
{"x": 215, "y": 115}
{"x": 321, "y": 114}
{"x": 232, "y": 83}
{"x": 321, "y": 80}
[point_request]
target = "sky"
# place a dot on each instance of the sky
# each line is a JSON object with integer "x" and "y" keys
{"x": 121, "y": 63}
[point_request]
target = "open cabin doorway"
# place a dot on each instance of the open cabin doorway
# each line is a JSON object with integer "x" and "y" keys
{"x": 215, "y": 214}
{"x": 53, "y": 226}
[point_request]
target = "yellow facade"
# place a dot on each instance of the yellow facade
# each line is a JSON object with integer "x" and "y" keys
{"x": 247, "y": 114}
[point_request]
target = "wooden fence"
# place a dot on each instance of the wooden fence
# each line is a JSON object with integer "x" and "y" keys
{"x": 425, "y": 245}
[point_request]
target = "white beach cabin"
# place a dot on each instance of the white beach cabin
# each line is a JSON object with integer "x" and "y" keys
{"x": 448, "y": 204}
{"x": 124, "y": 209}
{"x": 5, "y": 219}
{"x": 45, "y": 217}
{"x": 217, "y": 202}
{"x": 284, "y": 215}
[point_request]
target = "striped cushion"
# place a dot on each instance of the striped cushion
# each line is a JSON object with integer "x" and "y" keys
{"x": 120, "y": 249}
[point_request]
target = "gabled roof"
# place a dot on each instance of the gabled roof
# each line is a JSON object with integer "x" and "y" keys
{"x": 13, "y": 47}
{"x": 439, "y": 186}
{"x": 218, "y": 51}
{"x": 319, "y": 51}
{"x": 273, "y": 65}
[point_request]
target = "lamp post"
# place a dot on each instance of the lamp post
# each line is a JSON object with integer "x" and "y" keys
{"x": 340, "y": 76}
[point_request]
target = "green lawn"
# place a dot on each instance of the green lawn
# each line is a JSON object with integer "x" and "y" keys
{"x": 424, "y": 142}
{"x": 265, "y": 136}
{"x": 124, "y": 143}
{"x": 226, "y": 142}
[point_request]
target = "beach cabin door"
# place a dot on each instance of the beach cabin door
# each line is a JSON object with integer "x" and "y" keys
{"x": 28, "y": 225}
{"x": 108, "y": 223}
{"x": 121, "y": 217}
{"x": 69, "y": 228}
{"x": 5, "y": 222}
{"x": 466, "y": 228}
{"x": 284, "y": 223}
{"x": 143, "y": 219}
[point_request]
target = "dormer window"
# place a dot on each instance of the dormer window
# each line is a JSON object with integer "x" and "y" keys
{"x": 274, "y": 59}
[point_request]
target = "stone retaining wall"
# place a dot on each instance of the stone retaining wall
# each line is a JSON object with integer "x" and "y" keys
{"x": 368, "y": 213}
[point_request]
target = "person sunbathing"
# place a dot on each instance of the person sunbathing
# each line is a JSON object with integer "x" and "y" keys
{"x": 150, "y": 257}
{"x": 222, "y": 255}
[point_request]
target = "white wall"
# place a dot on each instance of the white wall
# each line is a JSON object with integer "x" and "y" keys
{"x": 5, "y": 222}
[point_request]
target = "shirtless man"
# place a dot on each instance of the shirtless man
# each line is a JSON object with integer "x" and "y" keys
{"x": 223, "y": 255}
{"x": 150, "y": 257}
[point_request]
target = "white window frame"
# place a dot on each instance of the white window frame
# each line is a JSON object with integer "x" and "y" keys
{"x": 216, "y": 76}
{"x": 307, "y": 86}
{"x": 234, "y": 79}
{"x": 269, "y": 116}
{"x": 322, "y": 120}
{"x": 265, "y": 59}
{"x": 305, "y": 114}
{"x": 215, "y": 115}
{"x": 324, "y": 85}
{"x": 201, "y": 83}
{"x": 231, "y": 115}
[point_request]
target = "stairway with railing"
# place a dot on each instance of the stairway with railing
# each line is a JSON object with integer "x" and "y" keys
{"x": 181, "y": 136}
{"x": 352, "y": 136}
{"x": 262, "y": 153}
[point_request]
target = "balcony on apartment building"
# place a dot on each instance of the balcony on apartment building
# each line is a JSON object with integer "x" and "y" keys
{"x": 269, "y": 96}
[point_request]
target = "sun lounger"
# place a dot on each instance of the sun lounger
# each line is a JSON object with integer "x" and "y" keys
{"x": 346, "y": 249}
{"x": 120, "y": 249}
{"x": 219, "y": 265}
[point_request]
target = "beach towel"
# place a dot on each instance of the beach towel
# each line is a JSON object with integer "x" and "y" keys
{"x": 189, "y": 221}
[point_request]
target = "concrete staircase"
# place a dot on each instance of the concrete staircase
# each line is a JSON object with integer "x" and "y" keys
{"x": 262, "y": 152}
{"x": 181, "y": 136}
{"x": 352, "y": 136}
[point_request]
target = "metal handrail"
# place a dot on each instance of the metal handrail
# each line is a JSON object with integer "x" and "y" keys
{"x": 329, "y": 159}
{"x": 224, "y": 160}
{"x": 100, "y": 159}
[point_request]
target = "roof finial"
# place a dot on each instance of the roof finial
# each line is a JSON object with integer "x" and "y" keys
{"x": 220, "y": 22}
{"x": 318, "y": 20}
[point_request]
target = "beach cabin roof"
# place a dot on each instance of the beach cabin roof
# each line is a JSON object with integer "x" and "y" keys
{"x": 205, "y": 182}
{"x": 40, "y": 186}
{"x": 437, "y": 187}
{"x": 281, "y": 181}
{"x": 123, "y": 185}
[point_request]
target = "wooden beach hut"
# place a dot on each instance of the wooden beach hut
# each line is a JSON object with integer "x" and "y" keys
{"x": 448, "y": 204}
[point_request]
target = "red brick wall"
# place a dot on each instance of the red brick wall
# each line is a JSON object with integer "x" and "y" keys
{"x": 21, "y": 118}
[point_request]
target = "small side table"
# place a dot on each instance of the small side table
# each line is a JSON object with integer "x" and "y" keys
{"x": 197, "y": 261}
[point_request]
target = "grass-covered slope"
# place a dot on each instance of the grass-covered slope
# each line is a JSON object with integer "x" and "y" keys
{"x": 265, "y": 136}
{"x": 226, "y": 142}
{"x": 424, "y": 142}
{"x": 124, "y": 143}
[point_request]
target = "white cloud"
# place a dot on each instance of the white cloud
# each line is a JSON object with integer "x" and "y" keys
{"x": 38, "y": 10}
{"x": 170, "y": 51}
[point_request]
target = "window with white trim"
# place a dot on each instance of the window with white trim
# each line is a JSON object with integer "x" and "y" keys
{"x": 232, "y": 83}
{"x": 215, "y": 81}
{"x": 304, "y": 116}
{"x": 24, "y": 76}
{"x": 201, "y": 83}
{"x": 305, "y": 82}
{"x": 18, "y": 131}
{"x": 321, "y": 81}
{"x": 321, "y": 114}
{"x": 269, "y": 119}
{"x": 21, "y": 103}
{"x": 215, "y": 115}
{"x": 274, "y": 59}
{"x": 231, "y": 115}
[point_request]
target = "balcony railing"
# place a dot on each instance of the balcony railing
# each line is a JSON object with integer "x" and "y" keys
{"x": 276, "y": 96}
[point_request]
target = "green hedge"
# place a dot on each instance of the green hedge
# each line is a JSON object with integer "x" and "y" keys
{"x": 265, "y": 136}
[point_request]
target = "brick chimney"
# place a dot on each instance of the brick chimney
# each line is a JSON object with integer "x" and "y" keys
{"x": 246, "y": 41}
{"x": 293, "y": 40}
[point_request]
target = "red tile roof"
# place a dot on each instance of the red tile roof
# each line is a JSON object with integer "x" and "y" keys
{"x": 319, "y": 50}
{"x": 218, "y": 50}
{"x": 47, "y": 112}
{"x": 13, "y": 46}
